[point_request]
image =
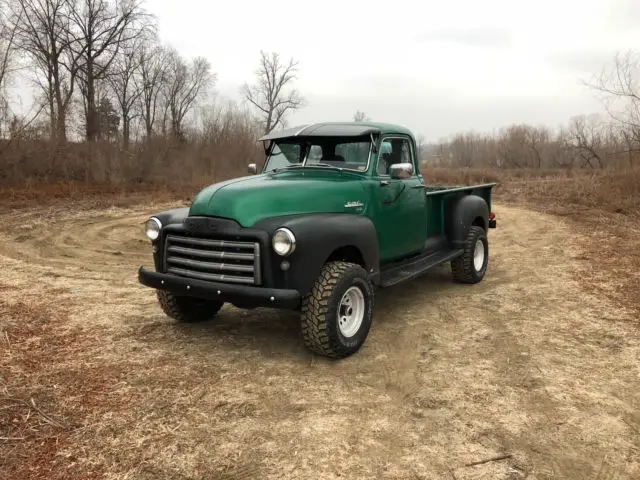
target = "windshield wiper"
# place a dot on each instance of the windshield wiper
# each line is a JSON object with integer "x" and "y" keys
{"x": 324, "y": 165}
{"x": 288, "y": 167}
{"x": 291, "y": 167}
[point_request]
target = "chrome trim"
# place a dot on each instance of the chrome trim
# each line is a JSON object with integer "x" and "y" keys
{"x": 214, "y": 277}
{"x": 406, "y": 169}
{"x": 157, "y": 222}
{"x": 211, "y": 264}
{"x": 290, "y": 236}
{"x": 257, "y": 272}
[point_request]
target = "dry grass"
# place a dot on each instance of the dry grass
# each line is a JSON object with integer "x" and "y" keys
{"x": 603, "y": 205}
{"x": 48, "y": 384}
{"x": 449, "y": 376}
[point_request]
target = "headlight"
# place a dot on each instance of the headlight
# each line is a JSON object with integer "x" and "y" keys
{"x": 152, "y": 228}
{"x": 283, "y": 241}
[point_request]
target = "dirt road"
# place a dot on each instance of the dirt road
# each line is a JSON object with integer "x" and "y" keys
{"x": 523, "y": 364}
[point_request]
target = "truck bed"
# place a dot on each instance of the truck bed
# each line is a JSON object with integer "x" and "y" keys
{"x": 438, "y": 196}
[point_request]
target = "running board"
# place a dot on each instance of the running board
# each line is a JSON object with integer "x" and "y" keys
{"x": 416, "y": 267}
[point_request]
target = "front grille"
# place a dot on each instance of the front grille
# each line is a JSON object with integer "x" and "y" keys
{"x": 214, "y": 260}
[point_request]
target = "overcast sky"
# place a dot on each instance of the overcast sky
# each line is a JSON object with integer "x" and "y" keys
{"x": 436, "y": 67}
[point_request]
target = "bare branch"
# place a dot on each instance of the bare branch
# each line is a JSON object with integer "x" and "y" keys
{"x": 268, "y": 94}
{"x": 185, "y": 83}
{"x": 102, "y": 28}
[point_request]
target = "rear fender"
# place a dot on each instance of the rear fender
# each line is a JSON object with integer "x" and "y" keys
{"x": 461, "y": 216}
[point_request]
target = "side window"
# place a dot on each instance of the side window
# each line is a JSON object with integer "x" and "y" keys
{"x": 406, "y": 152}
{"x": 393, "y": 150}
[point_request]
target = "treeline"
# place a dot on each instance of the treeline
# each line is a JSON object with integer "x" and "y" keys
{"x": 113, "y": 104}
{"x": 596, "y": 141}
{"x": 590, "y": 142}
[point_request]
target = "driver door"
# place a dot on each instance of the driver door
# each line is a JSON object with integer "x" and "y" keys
{"x": 401, "y": 203}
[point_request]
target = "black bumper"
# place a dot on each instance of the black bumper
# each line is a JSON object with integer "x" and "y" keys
{"x": 240, "y": 295}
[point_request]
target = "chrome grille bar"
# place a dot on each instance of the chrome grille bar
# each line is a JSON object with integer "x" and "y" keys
{"x": 217, "y": 260}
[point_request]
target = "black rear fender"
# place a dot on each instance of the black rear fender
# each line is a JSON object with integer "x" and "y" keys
{"x": 466, "y": 211}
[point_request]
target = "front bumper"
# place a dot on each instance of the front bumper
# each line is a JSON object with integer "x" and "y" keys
{"x": 240, "y": 295}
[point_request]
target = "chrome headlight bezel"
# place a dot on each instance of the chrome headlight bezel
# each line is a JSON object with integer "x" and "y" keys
{"x": 283, "y": 242}
{"x": 152, "y": 228}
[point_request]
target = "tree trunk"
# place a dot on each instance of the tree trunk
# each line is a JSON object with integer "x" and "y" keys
{"x": 147, "y": 122}
{"x": 126, "y": 123}
{"x": 93, "y": 128}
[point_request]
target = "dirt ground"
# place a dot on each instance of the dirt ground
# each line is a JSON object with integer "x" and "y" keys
{"x": 98, "y": 383}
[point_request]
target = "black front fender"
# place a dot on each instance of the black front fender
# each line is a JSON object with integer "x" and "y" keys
{"x": 317, "y": 237}
{"x": 461, "y": 217}
{"x": 176, "y": 215}
{"x": 168, "y": 217}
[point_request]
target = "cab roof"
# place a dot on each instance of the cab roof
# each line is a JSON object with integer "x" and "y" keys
{"x": 338, "y": 129}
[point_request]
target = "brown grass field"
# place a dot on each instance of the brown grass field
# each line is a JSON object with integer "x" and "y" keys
{"x": 538, "y": 364}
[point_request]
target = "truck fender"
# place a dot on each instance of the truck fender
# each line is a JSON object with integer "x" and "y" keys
{"x": 461, "y": 216}
{"x": 176, "y": 215}
{"x": 168, "y": 217}
{"x": 318, "y": 236}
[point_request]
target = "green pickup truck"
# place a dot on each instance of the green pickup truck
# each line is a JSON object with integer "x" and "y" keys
{"x": 338, "y": 210}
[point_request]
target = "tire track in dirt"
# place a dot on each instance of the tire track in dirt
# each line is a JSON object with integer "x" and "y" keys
{"x": 522, "y": 363}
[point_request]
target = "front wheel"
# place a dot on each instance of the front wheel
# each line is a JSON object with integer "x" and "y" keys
{"x": 337, "y": 313}
{"x": 188, "y": 309}
{"x": 471, "y": 267}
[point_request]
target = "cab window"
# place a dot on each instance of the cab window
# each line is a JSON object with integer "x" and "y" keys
{"x": 392, "y": 151}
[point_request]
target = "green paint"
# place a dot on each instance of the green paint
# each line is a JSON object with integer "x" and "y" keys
{"x": 248, "y": 200}
{"x": 404, "y": 216}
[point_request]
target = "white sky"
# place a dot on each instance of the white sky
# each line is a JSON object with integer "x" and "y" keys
{"x": 436, "y": 67}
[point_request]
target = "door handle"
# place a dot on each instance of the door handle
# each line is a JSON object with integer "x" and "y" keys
{"x": 384, "y": 183}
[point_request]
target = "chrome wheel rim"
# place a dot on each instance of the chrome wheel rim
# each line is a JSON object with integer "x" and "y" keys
{"x": 478, "y": 255}
{"x": 351, "y": 312}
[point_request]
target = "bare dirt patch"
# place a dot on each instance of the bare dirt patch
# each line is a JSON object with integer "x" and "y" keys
{"x": 528, "y": 364}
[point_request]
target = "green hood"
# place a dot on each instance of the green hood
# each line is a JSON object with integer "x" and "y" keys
{"x": 248, "y": 200}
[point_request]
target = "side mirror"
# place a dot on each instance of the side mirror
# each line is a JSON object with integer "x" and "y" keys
{"x": 401, "y": 170}
{"x": 252, "y": 168}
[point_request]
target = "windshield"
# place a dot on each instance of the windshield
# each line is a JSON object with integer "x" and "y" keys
{"x": 347, "y": 153}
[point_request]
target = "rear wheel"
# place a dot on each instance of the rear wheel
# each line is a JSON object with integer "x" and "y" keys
{"x": 471, "y": 267}
{"x": 188, "y": 309}
{"x": 337, "y": 313}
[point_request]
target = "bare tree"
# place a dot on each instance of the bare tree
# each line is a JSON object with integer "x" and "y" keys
{"x": 152, "y": 74}
{"x": 421, "y": 147}
{"x": 620, "y": 87}
{"x": 268, "y": 95}
{"x": 586, "y": 139}
{"x": 126, "y": 89}
{"x": 360, "y": 117}
{"x": 7, "y": 40}
{"x": 43, "y": 32}
{"x": 536, "y": 139}
{"x": 103, "y": 26}
{"x": 185, "y": 83}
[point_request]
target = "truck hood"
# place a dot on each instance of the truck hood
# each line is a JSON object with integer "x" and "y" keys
{"x": 248, "y": 200}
